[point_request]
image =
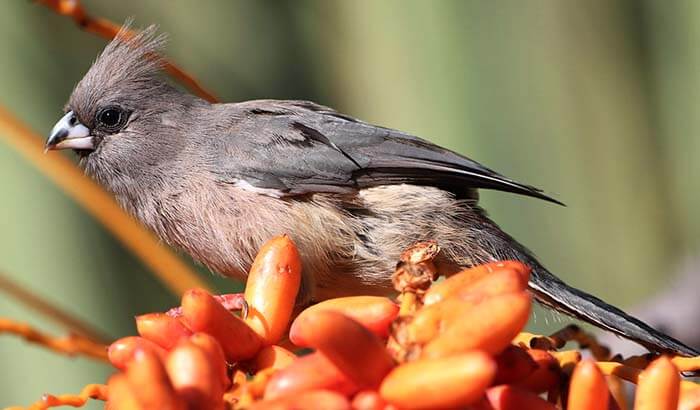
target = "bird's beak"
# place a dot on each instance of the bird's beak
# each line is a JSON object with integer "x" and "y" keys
{"x": 69, "y": 133}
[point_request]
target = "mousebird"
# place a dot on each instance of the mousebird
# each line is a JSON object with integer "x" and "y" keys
{"x": 218, "y": 180}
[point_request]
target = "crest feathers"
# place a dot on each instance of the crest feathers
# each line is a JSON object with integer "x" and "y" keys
{"x": 129, "y": 65}
{"x": 137, "y": 53}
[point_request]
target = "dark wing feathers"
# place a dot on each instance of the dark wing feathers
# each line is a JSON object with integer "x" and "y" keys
{"x": 298, "y": 147}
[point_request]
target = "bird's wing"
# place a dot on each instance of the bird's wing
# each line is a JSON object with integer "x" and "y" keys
{"x": 298, "y": 147}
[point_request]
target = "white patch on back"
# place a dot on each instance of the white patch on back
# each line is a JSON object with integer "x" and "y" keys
{"x": 275, "y": 193}
{"x": 168, "y": 121}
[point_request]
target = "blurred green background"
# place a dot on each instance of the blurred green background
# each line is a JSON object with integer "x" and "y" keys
{"x": 597, "y": 102}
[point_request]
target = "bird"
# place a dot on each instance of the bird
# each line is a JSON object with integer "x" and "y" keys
{"x": 216, "y": 180}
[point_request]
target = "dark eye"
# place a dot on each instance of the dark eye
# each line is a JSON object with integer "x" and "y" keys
{"x": 111, "y": 118}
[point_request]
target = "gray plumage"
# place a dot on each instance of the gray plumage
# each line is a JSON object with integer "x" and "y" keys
{"x": 217, "y": 180}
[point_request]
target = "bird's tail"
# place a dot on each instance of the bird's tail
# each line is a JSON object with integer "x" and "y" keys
{"x": 553, "y": 292}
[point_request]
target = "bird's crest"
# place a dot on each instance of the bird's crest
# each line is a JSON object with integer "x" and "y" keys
{"x": 130, "y": 63}
{"x": 137, "y": 53}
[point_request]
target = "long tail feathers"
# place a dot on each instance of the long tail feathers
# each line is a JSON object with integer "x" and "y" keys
{"x": 556, "y": 294}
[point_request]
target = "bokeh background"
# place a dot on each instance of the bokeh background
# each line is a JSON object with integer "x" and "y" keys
{"x": 597, "y": 102}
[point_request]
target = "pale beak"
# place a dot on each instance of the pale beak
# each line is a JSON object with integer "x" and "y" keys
{"x": 68, "y": 133}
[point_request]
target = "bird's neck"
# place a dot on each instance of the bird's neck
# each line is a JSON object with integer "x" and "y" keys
{"x": 132, "y": 190}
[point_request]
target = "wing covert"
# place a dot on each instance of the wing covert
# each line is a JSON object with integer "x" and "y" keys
{"x": 298, "y": 147}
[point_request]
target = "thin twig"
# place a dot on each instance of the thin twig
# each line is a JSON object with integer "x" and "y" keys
{"x": 631, "y": 374}
{"x": 568, "y": 359}
{"x": 50, "y": 311}
{"x": 584, "y": 339}
{"x": 107, "y": 29}
{"x": 533, "y": 341}
{"x": 91, "y": 391}
{"x": 169, "y": 268}
{"x": 70, "y": 345}
{"x": 684, "y": 364}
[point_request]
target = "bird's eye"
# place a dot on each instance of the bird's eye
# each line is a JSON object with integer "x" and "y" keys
{"x": 111, "y": 118}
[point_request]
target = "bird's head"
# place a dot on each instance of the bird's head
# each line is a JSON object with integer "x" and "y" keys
{"x": 122, "y": 108}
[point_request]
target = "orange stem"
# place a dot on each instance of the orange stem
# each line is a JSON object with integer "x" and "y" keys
{"x": 631, "y": 374}
{"x": 91, "y": 391}
{"x": 70, "y": 345}
{"x": 50, "y": 311}
{"x": 107, "y": 29}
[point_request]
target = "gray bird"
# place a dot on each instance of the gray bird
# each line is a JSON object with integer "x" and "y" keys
{"x": 217, "y": 180}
